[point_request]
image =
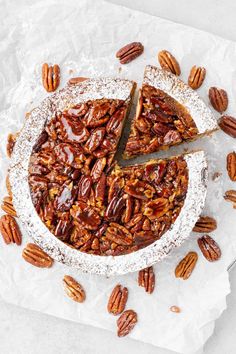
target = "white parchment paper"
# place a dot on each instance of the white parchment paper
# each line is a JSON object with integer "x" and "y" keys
{"x": 82, "y": 37}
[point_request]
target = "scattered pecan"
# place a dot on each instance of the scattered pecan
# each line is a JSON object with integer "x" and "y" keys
{"x": 196, "y": 77}
{"x": 77, "y": 80}
{"x": 117, "y": 300}
{"x": 34, "y": 255}
{"x": 205, "y": 224}
{"x": 231, "y": 165}
{"x": 50, "y": 77}
{"x": 11, "y": 140}
{"x": 73, "y": 289}
{"x": 10, "y": 230}
{"x": 210, "y": 249}
{"x": 230, "y": 196}
{"x": 146, "y": 279}
{"x": 8, "y": 207}
{"x": 126, "y": 322}
{"x": 129, "y": 52}
{"x": 168, "y": 62}
{"x": 218, "y": 98}
{"x": 175, "y": 309}
{"x": 228, "y": 125}
{"x": 186, "y": 266}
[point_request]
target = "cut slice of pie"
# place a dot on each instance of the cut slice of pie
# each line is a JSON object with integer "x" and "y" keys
{"x": 169, "y": 112}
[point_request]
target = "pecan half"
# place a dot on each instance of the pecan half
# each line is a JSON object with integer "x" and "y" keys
{"x": 228, "y": 125}
{"x": 218, "y": 98}
{"x": 186, "y": 266}
{"x": 230, "y": 196}
{"x": 175, "y": 309}
{"x": 168, "y": 62}
{"x": 8, "y": 207}
{"x": 196, "y": 77}
{"x": 50, "y": 77}
{"x": 77, "y": 80}
{"x": 119, "y": 234}
{"x": 117, "y": 300}
{"x": 209, "y": 247}
{"x": 231, "y": 165}
{"x": 129, "y": 52}
{"x": 34, "y": 255}
{"x": 146, "y": 279}
{"x": 11, "y": 140}
{"x": 73, "y": 289}
{"x": 10, "y": 230}
{"x": 126, "y": 322}
{"x": 205, "y": 224}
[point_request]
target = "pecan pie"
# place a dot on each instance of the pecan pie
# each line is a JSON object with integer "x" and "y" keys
{"x": 162, "y": 120}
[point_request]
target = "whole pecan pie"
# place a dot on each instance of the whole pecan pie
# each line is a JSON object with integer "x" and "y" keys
{"x": 78, "y": 204}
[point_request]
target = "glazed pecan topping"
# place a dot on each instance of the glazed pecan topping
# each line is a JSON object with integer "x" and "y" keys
{"x": 7, "y": 206}
{"x": 129, "y": 52}
{"x": 196, "y": 77}
{"x": 168, "y": 62}
{"x": 160, "y": 122}
{"x": 50, "y": 77}
{"x": 209, "y": 247}
{"x": 146, "y": 279}
{"x": 89, "y": 202}
{"x": 218, "y": 98}
{"x": 117, "y": 300}
{"x": 231, "y": 165}
{"x": 73, "y": 289}
{"x": 186, "y": 266}
{"x": 34, "y": 255}
{"x": 10, "y": 230}
{"x": 205, "y": 224}
{"x": 126, "y": 322}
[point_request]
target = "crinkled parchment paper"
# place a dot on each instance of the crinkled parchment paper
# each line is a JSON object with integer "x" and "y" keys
{"x": 82, "y": 37}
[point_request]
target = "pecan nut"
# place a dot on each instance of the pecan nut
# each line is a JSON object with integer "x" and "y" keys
{"x": 196, "y": 77}
{"x": 126, "y": 322}
{"x": 168, "y": 62}
{"x": 73, "y": 289}
{"x": 119, "y": 234}
{"x": 50, "y": 77}
{"x": 218, "y": 98}
{"x": 205, "y": 224}
{"x": 209, "y": 247}
{"x": 231, "y": 165}
{"x": 186, "y": 266}
{"x": 230, "y": 196}
{"x": 11, "y": 140}
{"x": 228, "y": 125}
{"x": 34, "y": 255}
{"x": 117, "y": 300}
{"x": 175, "y": 309}
{"x": 7, "y": 206}
{"x": 146, "y": 279}
{"x": 10, "y": 230}
{"x": 129, "y": 52}
{"x": 77, "y": 80}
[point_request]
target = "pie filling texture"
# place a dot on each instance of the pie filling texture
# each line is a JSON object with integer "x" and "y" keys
{"x": 160, "y": 122}
{"x": 86, "y": 199}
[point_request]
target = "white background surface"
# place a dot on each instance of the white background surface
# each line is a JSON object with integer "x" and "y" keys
{"x": 22, "y": 331}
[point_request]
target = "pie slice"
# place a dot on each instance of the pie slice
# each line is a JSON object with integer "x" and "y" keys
{"x": 169, "y": 112}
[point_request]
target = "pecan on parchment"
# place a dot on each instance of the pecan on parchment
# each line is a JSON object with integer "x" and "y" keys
{"x": 117, "y": 300}
{"x": 231, "y": 165}
{"x": 7, "y": 206}
{"x": 50, "y": 77}
{"x": 230, "y": 196}
{"x": 196, "y": 77}
{"x": 34, "y": 255}
{"x": 205, "y": 224}
{"x": 186, "y": 266}
{"x": 218, "y": 98}
{"x": 228, "y": 125}
{"x": 146, "y": 279}
{"x": 129, "y": 52}
{"x": 126, "y": 322}
{"x": 10, "y": 230}
{"x": 73, "y": 289}
{"x": 168, "y": 62}
{"x": 209, "y": 247}
{"x": 11, "y": 140}
{"x": 76, "y": 80}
